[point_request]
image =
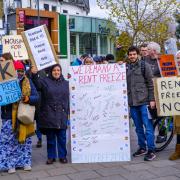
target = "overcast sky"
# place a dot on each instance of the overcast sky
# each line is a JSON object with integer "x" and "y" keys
{"x": 96, "y": 11}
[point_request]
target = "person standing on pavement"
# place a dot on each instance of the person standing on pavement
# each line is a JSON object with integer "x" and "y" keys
{"x": 140, "y": 94}
{"x": 15, "y": 137}
{"x": 176, "y": 154}
{"x": 54, "y": 111}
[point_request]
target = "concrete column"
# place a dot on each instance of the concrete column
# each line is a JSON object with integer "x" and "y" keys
{"x": 98, "y": 45}
{"x": 77, "y": 45}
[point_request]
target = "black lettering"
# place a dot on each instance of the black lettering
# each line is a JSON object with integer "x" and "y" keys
{"x": 177, "y": 106}
{"x": 177, "y": 84}
{"x": 3, "y": 71}
{"x": 163, "y": 84}
{"x": 166, "y": 107}
{"x": 168, "y": 95}
{"x": 170, "y": 84}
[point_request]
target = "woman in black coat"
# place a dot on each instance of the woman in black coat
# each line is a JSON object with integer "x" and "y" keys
{"x": 54, "y": 111}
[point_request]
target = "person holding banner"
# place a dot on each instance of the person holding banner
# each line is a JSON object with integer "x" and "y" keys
{"x": 54, "y": 111}
{"x": 15, "y": 140}
{"x": 141, "y": 94}
{"x": 176, "y": 154}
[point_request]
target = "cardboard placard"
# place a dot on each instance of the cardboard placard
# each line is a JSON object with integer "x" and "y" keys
{"x": 178, "y": 65}
{"x": 15, "y": 45}
{"x": 10, "y": 92}
{"x": 167, "y": 95}
{"x": 7, "y": 71}
{"x": 40, "y": 48}
{"x": 99, "y": 114}
{"x": 167, "y": 65}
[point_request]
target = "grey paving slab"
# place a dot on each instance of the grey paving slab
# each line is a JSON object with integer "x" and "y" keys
{"x": 137, "y": 167}
{"x": 10, "y": 177}
{"x": 116, "y": 177}
{"x": 61, "y": 171}
{"x": 162, "y": 163}
{"x": 111, "y": 171}
{"x": 84, "y": 175}
{"x": 140, "y": 175}
{"x": 33, "y": 175}
{"x": 163, "y": 171}
{"x": 86, "y": 167}
{"x": 167, "y": 178}
{"x": 55, "y": 178}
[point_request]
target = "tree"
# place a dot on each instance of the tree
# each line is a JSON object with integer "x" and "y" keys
{"x": 123, "y": 42}
{"x": 141, "y": 17}
{"x": 177, "y": 16}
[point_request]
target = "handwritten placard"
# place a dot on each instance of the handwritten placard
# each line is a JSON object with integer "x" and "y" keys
{"x": 10, "y": 92}
{"x": 99, "y": 114}
{"x": 39, "y": 46}
{"x": 15, "y": 45}
{"x": 167, "y": 94}
{"x": 7, "y": 71}
{"x": 167, "y": 65}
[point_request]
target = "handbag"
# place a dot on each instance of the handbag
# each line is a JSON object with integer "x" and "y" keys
{"x": 25, "y": 113}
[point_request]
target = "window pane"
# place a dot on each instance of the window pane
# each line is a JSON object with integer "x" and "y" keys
{"x": 103, "y": 45}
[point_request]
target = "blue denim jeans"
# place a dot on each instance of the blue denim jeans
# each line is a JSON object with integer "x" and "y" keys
{"x": 144, "y": 127}
{"x": 38, "y": 133}
{"x": 56, "y": 140}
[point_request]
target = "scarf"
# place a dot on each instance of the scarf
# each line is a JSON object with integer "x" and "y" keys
{"x": 176, "y": 124}
{"x": 22, "y": 131}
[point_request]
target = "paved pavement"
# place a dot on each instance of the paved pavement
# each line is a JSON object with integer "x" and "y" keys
{"x": 137, "y": 169}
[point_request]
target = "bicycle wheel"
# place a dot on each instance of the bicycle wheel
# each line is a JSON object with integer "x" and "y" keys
{"x": 164, "y": 125}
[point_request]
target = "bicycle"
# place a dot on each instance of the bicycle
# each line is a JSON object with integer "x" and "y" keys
{"x": 165, "y": 125}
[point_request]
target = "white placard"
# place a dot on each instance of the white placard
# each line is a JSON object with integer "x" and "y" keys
{"x": 40, "y": 47}
{"x": 99, "y": 114}
{"x": 15, "y": 45}
{"x": 168, "y": 96}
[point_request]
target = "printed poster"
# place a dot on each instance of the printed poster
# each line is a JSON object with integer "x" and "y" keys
{"x": 15, "y": 45}
{"x": 39, "y": 46}
{"x": 99, "y": 114}
{"x": 167, "y": 65}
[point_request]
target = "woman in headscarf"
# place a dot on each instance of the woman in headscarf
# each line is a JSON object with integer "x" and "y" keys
{"x": 54, "y": 111}
{"x": 15, "y": 137}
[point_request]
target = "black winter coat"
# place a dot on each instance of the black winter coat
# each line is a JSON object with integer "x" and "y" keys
{"x": 54, "y": 107}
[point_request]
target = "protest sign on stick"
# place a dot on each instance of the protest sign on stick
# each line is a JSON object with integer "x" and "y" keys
{"x": 167, "y": 94}
{"x": 40, "y": 48}
{"x": 167, "y": 65}
{"x": 14, "y": 44}
{"x": 7, "y": 71}
{"x": 99, "y": 114}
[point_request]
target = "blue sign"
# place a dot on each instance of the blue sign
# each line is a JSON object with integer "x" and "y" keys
{"x": 10, "y": 92}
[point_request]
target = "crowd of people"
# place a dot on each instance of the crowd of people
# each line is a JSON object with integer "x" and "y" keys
{"x": 49, "y": 92}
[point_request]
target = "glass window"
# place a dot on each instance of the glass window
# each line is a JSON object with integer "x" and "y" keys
{"x": 103, "y": 45}
{"x": 46, "y": 7}
{"x": 87, "y": 44}
{"x": 73, "y": 44}
{"x": 54, "y": 8}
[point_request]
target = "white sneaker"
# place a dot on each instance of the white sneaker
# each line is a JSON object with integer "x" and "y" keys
{"x": 12, "y": 171}
{"x": 27, "y": 168}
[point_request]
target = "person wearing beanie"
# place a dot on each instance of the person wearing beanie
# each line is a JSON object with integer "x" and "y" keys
{"x": 54, "y": 111}
{"x": 15, "y": 137}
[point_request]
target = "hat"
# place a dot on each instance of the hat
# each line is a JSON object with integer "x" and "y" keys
{"x": 18, "y": 65}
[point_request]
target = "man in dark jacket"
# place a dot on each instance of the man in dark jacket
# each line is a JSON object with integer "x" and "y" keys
{"x": 141, "y": 94}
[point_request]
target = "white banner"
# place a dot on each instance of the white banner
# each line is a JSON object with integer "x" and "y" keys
{"x": 99, "y": 114}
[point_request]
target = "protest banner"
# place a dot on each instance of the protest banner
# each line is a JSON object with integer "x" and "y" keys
{"x": 167, "y": 95}
{"x": 167, "y": 65}
{"x": 40, "y": 48}
{"x": 7, "y": 71}
{"x": 178, "y": 65}
{"x": 99, "y": 114}
{"x": 15, "y": 45}
{"x": 10, "y": 92}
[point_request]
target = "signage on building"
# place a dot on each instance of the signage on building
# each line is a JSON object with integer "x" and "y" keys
{"x": 99, "y": 114}
{"x": 40, "y": 48}
{"x": 21, "y": 16}
{"x": 167, "y": 93}
{"x": 14, "y": 44}
{"x": 104, "y": 29}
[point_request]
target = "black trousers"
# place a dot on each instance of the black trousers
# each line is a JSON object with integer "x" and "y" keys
{"x": 178, "y": 138}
